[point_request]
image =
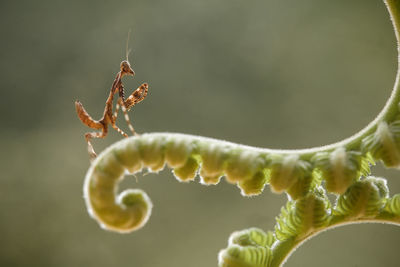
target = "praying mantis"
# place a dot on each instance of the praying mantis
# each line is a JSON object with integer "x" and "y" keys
{"x": 108, "y": 117}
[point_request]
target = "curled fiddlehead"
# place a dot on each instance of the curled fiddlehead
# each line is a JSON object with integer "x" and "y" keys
{"x": 306, "y": 176}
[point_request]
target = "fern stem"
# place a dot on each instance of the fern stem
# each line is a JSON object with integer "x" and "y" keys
{"x": 284, "y": 249}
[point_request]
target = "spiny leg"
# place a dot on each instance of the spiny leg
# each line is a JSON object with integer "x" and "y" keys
{"x": 138, "y": 95}
{"x": 91, "y": 135}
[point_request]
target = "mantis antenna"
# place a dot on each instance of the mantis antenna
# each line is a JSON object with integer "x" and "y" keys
{"x": 127, "y": 45}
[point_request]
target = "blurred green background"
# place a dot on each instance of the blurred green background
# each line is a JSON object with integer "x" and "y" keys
{"x": 271, "y": 73}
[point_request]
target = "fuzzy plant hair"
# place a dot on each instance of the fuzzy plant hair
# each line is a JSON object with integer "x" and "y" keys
{"x": 305, "y": 175}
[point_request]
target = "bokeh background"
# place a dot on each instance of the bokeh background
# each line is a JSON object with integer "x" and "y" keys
{"x": 270, "y": 73}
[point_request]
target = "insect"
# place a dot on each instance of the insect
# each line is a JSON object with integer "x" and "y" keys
{"x": 108, "y": 117}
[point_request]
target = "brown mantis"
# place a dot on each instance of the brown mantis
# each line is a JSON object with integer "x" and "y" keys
{"x": 108, "y": 117}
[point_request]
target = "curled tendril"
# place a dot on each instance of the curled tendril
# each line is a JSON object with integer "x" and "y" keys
{"x": 125, "y": 213}
{"x": 306, "y": 176}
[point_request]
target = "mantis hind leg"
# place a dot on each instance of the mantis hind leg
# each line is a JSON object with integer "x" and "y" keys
{"x": 89, "y": 136}
{"x": 85, "y": 117}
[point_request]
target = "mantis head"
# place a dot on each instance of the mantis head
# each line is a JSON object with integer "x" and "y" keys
{"x": 126, "y": 68}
